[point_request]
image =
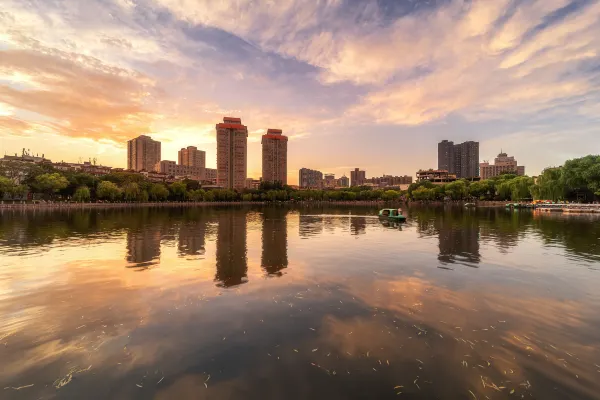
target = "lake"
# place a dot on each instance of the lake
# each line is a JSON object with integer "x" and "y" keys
{"x": 299, "y": 303}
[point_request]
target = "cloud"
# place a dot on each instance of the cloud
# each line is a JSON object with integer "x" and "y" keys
{"x": 78, "y": 96}
{"x": 481, "y": 59}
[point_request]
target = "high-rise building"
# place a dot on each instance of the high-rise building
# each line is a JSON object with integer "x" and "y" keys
{"x": 502, "y": 164}
{"x": 357, "y": 177}
{"x": 466, "y": 159}
{"x": 344, "y": 181}
{"x": 192, "y": 157}
{"x": 446, "y": 156}
{"x": 232, "y": 153}
{"x": 142, "y": 153}
{"x": 310, "y": 178}
{"x": 274, "y": 157}
{"x": 460, "y": 159}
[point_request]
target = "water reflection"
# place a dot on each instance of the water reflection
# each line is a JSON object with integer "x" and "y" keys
{"x": 232, "y": 263}
{"x": 143, "y": 246}
{"x": 356, "y": 311}
{"x": 274, "y": 241}
{"x": 192, "y": 233}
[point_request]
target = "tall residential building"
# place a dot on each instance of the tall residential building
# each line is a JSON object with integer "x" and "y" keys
{"x": 466, "y": 159}
{"x": 310, "y": 178}
{"x": 344, "y": 181}
{"x": 232, "y": 153}
{"x": 460, "y": 159}
{"x": 274, "y": 157}
{"x": 142, "y": 153}
{"x": 446, "y": 156}
{"x": 192, "y": 157}
{"x": 357, "y": 177}
{"x": 502, "y": 164}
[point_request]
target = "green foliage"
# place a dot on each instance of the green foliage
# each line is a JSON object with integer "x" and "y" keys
{"x": 158, "y": 192}
{"x": 456, "y": 190}
{"x": 178, "y": 190}
{"x": 51, "y": 183}
{"x": 423, "y": 194}
{"x": 6, "y": 186}
{"x": 247, "y": 197}
{"x": 196, "y": 195}
{"x": 131, "y": 191}
{"x": 108, "y": 191}
{"x": 82, "y": 194}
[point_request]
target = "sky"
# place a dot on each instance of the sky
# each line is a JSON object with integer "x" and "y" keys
{"x": 368, "y": 84}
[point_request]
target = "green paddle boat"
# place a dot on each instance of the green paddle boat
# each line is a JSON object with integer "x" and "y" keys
{"x": 393, "y": 214}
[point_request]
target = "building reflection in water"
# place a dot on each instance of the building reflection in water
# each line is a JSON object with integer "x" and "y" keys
{"x": 358, "y": 225}
{"x": 232, "y": 261}
{"x": 310, "y": 225}
{"x": 458, "y": 238}
{"x": 143, "y": 246}
{"x": 274, "y": 241}
{"x": 192, "y": 238}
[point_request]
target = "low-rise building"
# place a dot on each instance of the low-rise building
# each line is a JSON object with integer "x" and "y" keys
{"x": 174, "y": 169}
{"x": 389, "y": 180}
{"x": 440, "y": 176}
{"x": 435, "y": 176}
{"x": 210, "y": 175}
{"x": 329, "y": 181}
{"x": 253, "y": 184}
{"x": 503, "y": 164}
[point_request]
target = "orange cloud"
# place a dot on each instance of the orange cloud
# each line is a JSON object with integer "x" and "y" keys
{"x": 76, "y": 95}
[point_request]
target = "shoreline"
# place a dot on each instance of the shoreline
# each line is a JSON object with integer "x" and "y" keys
{"x": 555, "y": 209}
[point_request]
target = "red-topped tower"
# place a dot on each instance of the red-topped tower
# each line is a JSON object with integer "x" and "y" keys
{"x": 274, "y": 157}
{"x": 232, "y": 153}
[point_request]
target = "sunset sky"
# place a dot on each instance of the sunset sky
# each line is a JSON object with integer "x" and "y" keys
{"x": 369, "y": 84}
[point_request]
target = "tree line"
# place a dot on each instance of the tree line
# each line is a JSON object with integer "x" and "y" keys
{"x": 577, "y": 179}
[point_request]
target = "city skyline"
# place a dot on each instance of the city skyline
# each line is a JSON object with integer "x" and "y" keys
{"x": 507, "y": 75}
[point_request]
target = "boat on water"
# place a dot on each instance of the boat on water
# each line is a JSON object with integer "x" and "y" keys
{"x": 393, "y": 214}
{"x": 470, "y": 205}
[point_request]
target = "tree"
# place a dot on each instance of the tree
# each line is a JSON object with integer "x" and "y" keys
{"x": 483, "y": 190}
{"x": 423, "y": 194}
{"x": 178, "y": 190}
{"x": 51, "y": 183}
{"x": 197, "y": 195}
{"x": 82, "y": 194}
{"x": 131, "y": 191}
{"x": 6, "y": 186}
{"x": 209, "y": 196}
{"x": 390, "y": 195}
{"x": 550, "y": 185}
{"x": 247, "y": 197}
{"x": 158, "y": 192}
{"x": 456, "y": 190}
{"x": 108, "y": 191}
{"x": 520, "y": 188}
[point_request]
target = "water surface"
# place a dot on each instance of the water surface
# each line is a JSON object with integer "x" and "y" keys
{"x": 299, "y": 303}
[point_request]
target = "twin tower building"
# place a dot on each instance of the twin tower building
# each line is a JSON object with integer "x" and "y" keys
{"x": 232, "y": 155}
